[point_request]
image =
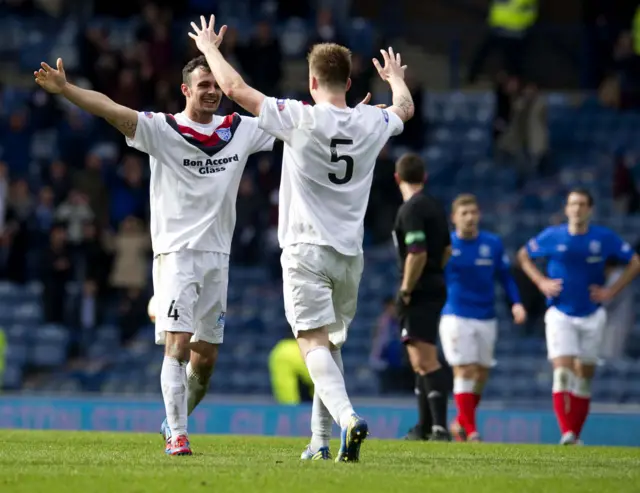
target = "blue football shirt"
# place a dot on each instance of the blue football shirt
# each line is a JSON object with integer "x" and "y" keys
{"x": 579, "y": 260}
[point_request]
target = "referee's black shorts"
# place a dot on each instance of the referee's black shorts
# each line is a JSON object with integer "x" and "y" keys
{"x": 420, "y": 319}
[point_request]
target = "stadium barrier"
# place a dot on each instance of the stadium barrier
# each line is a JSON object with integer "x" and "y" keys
{"x": 223, "y": 415}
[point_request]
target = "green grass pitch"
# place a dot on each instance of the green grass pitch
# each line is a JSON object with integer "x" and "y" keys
{"x": 83, "y": 462}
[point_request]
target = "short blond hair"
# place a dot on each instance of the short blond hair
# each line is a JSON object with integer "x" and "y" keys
{"x": 462, "y": 200}
{"x": 330, "y": 63}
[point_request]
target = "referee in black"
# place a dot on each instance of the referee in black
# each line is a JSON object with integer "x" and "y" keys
{"x": 423, "y": 242}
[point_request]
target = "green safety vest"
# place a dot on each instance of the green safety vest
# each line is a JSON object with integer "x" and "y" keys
{"x": 513, "y": 15}
{"x": 635, "y": 29}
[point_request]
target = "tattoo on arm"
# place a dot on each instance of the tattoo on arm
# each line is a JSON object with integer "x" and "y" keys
{"x": 126, "y": 127}
{"x": 405, "y": 104}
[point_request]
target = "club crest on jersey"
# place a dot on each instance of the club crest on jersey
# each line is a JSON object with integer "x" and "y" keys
{"x": 280, "y": 104}
{"x": 224, "y": 134}
{"x": 220, "y": 322}
{"x": 386, "y": 116}
{"x": 594, "y": 247}
{"x": 485, "y": 251}
{"x": 148, "y": 114}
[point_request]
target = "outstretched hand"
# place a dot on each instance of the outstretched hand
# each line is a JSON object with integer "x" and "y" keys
{"x": 392, "y": 65}
{"x": 205, "y": 36}
{"x": 367, "y": 98}
{"x": 50, "y": 79}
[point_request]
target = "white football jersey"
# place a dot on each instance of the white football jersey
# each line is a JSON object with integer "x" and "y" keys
{"x": 327, "y": 169}
{"x": 195, "y": 174}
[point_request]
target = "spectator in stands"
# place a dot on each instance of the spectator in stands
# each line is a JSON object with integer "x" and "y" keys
{"x": 90, "y": 182}
{"x": 16, "y": 233}
{"x": 621, "y": 88}
{"x": 361, "y": 76}
{"x": 505, "y": 89}
{"x": 55, "y": 275}
{"x": 620, "y": 316}
{"x": 265, "y": 67}
{"x": 384, "y": 199}
{"x": 326, "y": 30}
{"x": 74, "y": 138}
{"x": 526, "y": 138}
{"x": 625, "y": 190}
{"x": 16, "y": 141}
{"x": 130, "y": 192}
{"x": 290, "y": 380}
{"x": 44, "y": 214}
{"x": 388, "y": 354}
{"x": 132, "y": 313}
{"x": 131, "y": 248}
{"x": 74, "y": 213}
{"x": 59, "y": 180}
{"x": 247, "y": 236}
{"x": 96, "y": 260}
{"x": 510, "y": 23}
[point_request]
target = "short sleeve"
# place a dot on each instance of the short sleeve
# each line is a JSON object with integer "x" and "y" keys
{"x": 542, "y": 245}
{"x": 412, "y": 224}
{"x": 148, "y": 132}
{"x": 394, "y": 125}
{"x": 616, "y": 247}
{"x": 258, "y": 138}
{"x": 279, "y": 117}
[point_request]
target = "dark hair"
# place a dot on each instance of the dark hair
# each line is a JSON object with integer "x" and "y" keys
{"x": 585, "y": 193}
{"x": 410, "y": 168}
{"x": 194, "y": 63}
{"x": 330, "y": 63}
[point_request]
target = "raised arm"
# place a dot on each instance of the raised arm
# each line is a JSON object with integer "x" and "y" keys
{"x": 229, "y": 80}
{"x": 54, "y": 81}
{"x": 393, "y": 73}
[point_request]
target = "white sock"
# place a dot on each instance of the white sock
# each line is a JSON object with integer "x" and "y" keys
{"x": 321, "y": 420}
{"x": 173, "y": 380}
{"x": 196, "y": 390}
{"x": 329, "y": 384}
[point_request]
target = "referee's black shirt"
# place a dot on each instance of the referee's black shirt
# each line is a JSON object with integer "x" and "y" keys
{"x": 422, "y": 226}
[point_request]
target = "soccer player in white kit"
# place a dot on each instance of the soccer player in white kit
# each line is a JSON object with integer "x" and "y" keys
{"x": 196, "y": 159}
{"x": 329, "y": 154}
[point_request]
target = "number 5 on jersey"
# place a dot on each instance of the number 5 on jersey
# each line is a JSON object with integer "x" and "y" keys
{"x": 173, "y": 311}
{"x": 335, "y": 158}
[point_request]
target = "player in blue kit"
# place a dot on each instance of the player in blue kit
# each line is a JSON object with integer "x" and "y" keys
{"x": 574, "y": 286}
{"x": 468, "y": 326}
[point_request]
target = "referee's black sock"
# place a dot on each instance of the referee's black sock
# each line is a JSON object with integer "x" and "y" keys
{"x": 424, "y": 410}
{"x": 436, "y": 389}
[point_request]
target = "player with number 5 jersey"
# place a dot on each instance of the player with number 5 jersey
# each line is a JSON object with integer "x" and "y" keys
{"x": 330, "y": 151}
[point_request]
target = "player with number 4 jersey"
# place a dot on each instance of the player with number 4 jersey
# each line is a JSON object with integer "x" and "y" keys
{"x": 330, "y": 151}
{"x": 196, "y": 160}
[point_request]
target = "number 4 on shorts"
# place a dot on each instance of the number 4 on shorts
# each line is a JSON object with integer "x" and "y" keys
{"x": 173, "y": 311}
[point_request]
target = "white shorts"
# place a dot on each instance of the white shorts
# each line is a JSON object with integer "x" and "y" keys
{"x": 580, "y": 337}
{"x": 190, "y": 292}
{"x": 320, "y": 289}
{"x": 468, "y": 341}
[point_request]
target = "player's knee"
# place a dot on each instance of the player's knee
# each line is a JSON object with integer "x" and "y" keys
{"x": 466, "y": 372}
{"x": 177, "y": 345}
{"x": 203, "y": 357}
{"x": 582, "y": 387}
{"x": 312, "y": 339}
{"x": 562, "y": 379}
